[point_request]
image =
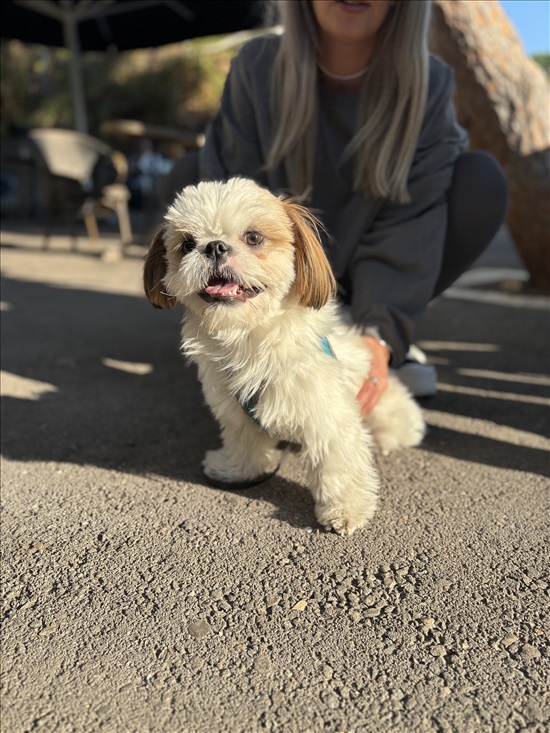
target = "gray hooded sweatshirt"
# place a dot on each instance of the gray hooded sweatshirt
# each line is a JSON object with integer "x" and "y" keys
{"x": 385, "y": 256}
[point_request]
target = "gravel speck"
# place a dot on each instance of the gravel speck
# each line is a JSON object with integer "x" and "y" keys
{"x": 509, "y": 640}
{"x": 533, "y": 712}
{"x": 528, "y": 651}
{"x": 332, "y": 700}
{"x": 262, "y": 665}
{"x": 199, "y": 629}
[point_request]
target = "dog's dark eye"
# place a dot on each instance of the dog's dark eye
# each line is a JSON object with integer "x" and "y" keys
{"x": 188, "y": 244}
{"x": 253, "y": 238}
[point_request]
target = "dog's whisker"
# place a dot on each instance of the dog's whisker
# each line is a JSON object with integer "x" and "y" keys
{"x": 168, "y": 283}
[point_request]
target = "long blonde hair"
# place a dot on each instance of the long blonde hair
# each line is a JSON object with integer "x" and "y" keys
{"x": 392, "y": 100}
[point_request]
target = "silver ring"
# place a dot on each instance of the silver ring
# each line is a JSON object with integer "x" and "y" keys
{"x": 374, "y": 380}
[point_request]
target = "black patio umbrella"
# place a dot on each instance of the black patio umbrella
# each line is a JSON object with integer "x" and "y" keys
{"x": 97, "y": 25}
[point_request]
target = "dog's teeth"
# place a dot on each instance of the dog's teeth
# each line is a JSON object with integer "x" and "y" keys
{"x": 223, "y": 290}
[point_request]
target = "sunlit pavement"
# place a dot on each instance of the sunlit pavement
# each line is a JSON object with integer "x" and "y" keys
{"x": 136, "y": 598}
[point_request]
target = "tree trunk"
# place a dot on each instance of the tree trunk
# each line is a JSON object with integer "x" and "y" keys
{"x": 503, "y": 101}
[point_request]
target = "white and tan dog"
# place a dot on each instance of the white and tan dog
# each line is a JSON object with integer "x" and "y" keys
{"x": 275, "y": 360}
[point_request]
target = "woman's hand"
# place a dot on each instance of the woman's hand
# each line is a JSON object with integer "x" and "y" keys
{"x": 376, "y": 383}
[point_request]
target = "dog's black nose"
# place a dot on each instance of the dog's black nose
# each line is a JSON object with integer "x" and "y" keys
{"x": 216, "y": 250}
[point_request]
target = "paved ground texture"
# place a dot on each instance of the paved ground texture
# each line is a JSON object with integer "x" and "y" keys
{"x": 136, "y": 598}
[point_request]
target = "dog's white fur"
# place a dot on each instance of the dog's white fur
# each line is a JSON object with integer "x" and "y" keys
{"x": 270, "y": 345}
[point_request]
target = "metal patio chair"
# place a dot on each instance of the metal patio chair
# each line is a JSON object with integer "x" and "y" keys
{"x": 83, "y": 176}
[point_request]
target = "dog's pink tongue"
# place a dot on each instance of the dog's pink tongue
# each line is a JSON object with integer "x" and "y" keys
{"x": 223, "y": 290}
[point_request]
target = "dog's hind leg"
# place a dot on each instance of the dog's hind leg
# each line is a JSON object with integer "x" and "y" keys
{"x": 397, "y": 420}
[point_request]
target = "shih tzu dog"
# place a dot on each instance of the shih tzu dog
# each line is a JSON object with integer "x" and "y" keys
{"x": 275, "y": 360}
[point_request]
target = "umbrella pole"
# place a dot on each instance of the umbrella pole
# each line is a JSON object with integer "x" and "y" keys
{"x": 70, "y": 32}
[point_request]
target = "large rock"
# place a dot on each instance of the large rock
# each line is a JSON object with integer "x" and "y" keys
{"x": 503, "y": 101}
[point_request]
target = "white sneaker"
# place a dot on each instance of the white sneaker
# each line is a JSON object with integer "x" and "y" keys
{"x": 417, "y": 375}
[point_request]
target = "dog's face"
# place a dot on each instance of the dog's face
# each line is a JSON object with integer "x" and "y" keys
{"x": 232, "y": 252}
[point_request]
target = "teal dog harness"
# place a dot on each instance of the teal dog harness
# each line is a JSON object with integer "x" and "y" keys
{"x": 250, "y": 404}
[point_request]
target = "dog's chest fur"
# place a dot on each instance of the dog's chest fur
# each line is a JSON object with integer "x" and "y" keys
{"x": 283, "y": 367}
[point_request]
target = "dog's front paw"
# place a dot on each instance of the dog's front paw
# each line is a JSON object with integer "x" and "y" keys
{"x": 342, "y": 519}
{"x": 221, "y": 467}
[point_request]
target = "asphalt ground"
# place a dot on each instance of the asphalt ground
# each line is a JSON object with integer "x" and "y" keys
{"x": 137, "y": 598}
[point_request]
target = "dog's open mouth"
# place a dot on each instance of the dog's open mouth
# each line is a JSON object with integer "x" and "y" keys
{"x": 227, "y": 290}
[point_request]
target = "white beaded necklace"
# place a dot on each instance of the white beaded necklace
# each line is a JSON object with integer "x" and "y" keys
{"x": 342, "y": 77}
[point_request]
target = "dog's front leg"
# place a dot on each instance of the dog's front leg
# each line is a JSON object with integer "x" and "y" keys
{"x": 344, "y": 480}
{"x": 247, "y": 452}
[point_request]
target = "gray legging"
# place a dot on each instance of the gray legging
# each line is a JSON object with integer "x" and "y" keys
{"x": 477, "y": 207}
{"x": 477, "y": 199}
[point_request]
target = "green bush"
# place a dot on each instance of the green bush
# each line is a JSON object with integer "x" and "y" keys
{"x": 544, "y": 60}
{"x": 177, "y": 85}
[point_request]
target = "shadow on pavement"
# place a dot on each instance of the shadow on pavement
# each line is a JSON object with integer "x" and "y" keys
{"x": 109, "y": 388}
{"x": 477, "y": 449}
{"x": 492, "y": 362}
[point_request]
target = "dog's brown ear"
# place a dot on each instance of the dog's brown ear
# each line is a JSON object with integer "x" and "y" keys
{"x": 315, "y": 282}
{"x": 154, "y": 271}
